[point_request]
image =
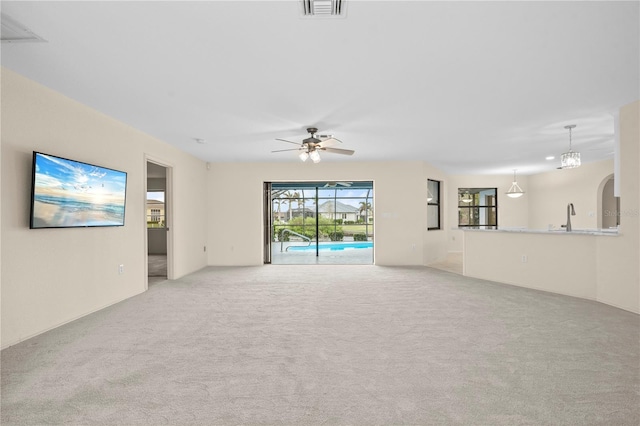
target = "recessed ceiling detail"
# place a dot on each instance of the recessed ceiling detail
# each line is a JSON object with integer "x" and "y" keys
{"x": 14, "y": 32}
{"x": 323, "y": 7}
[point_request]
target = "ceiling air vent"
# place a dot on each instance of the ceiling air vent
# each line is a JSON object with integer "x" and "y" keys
{"x": 323, "y": 7}
{"x": 15, "y": 32}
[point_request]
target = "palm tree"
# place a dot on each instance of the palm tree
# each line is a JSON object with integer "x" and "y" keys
{"x": 289, "y": 198}
{"x": 292, "y": 197}
{"x": 364, "y": 209}
{"x": 276, "y": 197}
{"x": 278, "y": 203}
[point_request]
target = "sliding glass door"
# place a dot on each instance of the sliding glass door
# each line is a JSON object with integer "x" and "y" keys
{"x": 319, "y": 222}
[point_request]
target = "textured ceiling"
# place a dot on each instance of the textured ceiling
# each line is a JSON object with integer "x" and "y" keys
{"x": 470, "y": 87}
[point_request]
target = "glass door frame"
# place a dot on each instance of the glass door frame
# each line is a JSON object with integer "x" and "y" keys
{"x": 299, "y": 193}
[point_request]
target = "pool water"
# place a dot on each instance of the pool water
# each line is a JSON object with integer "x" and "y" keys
{"x": 333, "y": 246}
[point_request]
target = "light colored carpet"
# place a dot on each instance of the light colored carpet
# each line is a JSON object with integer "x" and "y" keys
{"x": 311, "y": 345}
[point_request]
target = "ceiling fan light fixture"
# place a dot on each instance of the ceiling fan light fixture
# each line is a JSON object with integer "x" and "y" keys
{"x": 311, "y": 146}
{"x": 571, "y": 158}
{"x": 315, "y": 156}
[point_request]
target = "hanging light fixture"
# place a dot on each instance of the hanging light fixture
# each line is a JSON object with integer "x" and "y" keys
{"x": 570, "y": 159}
{"x": 466, "y": 198}
{"x": 315, "y": 156}
{"x": 515, "y": 191}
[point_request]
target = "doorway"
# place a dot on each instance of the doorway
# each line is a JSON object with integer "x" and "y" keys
{"x": 157, "y": 218}
{"x": 319, "y": 223}
{"x": 609, "y": 205}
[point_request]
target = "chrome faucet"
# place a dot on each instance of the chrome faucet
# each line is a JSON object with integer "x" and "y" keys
{"x": 570, "y": 212}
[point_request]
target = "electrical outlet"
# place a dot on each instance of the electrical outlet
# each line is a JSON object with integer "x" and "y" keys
{"x": 120, "y": 269}
{"x": 525, "y": 259}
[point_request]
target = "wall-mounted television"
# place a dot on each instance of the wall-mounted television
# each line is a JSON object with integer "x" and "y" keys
{"x": 72, "y": 194}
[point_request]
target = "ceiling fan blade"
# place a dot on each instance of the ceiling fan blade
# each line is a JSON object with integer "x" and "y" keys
{"x": 284, "y": 140}
{"x": 334, "y": 184}
{"x": 329, "y": 142}
{"x": 283, "y": 150}
{"x": 325, "y": 137}
{"x": 339, "y": 151}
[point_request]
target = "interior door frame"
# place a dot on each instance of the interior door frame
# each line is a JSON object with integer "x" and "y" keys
{"x": 168, "y": 212}
{"x": 268, "y": 222}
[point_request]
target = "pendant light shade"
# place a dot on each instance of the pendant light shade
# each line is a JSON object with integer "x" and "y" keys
{"x": 315, "y": 156}
{"x": 570, "y": 159}
{"x": 514, "y": 190}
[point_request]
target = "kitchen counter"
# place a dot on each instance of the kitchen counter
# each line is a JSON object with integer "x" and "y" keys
{"x": 556, "y": 231}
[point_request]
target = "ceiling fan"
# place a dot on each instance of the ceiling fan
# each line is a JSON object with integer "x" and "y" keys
{"x": 336, "y": 184}
{"x": 311, "y": 147}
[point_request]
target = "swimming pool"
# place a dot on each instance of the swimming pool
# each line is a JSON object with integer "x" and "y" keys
{"x": 333, "y": 246}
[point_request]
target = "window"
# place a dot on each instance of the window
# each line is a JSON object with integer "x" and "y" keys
{"x": 433, "y": 204}
{"x": 155, "y": 215}
{"x": 344, "y": 212}
{"x": 478, "y": 208}
{"x": 155, "y": 209}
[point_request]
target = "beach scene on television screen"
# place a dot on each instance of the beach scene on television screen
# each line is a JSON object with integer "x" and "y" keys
{"x": 68, "y": 194}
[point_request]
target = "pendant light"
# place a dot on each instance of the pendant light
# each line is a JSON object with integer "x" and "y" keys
{"x": 515, "y": 191}
{"x": 570, "y": 159}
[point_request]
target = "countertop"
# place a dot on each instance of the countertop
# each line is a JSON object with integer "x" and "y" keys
{"x": 556, "y": 231}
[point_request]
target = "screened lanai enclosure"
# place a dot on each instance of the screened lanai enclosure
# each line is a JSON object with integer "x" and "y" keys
{"x": 319, "y": 222}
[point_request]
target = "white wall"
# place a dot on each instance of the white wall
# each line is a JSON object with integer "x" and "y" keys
{"x": 400, "y": 203}
{"x": 557, "y": 262}
{"x": 549, "y": 194}
{"x": 512, "y": 212}
{"x": 618, "y": 259}
{"x": 52, "y": 276}
{"x": 544, "y": 202}
{"x": 602, "y": 268}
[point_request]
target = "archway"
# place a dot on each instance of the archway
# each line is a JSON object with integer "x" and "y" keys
{"x": 608, "y": 204}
